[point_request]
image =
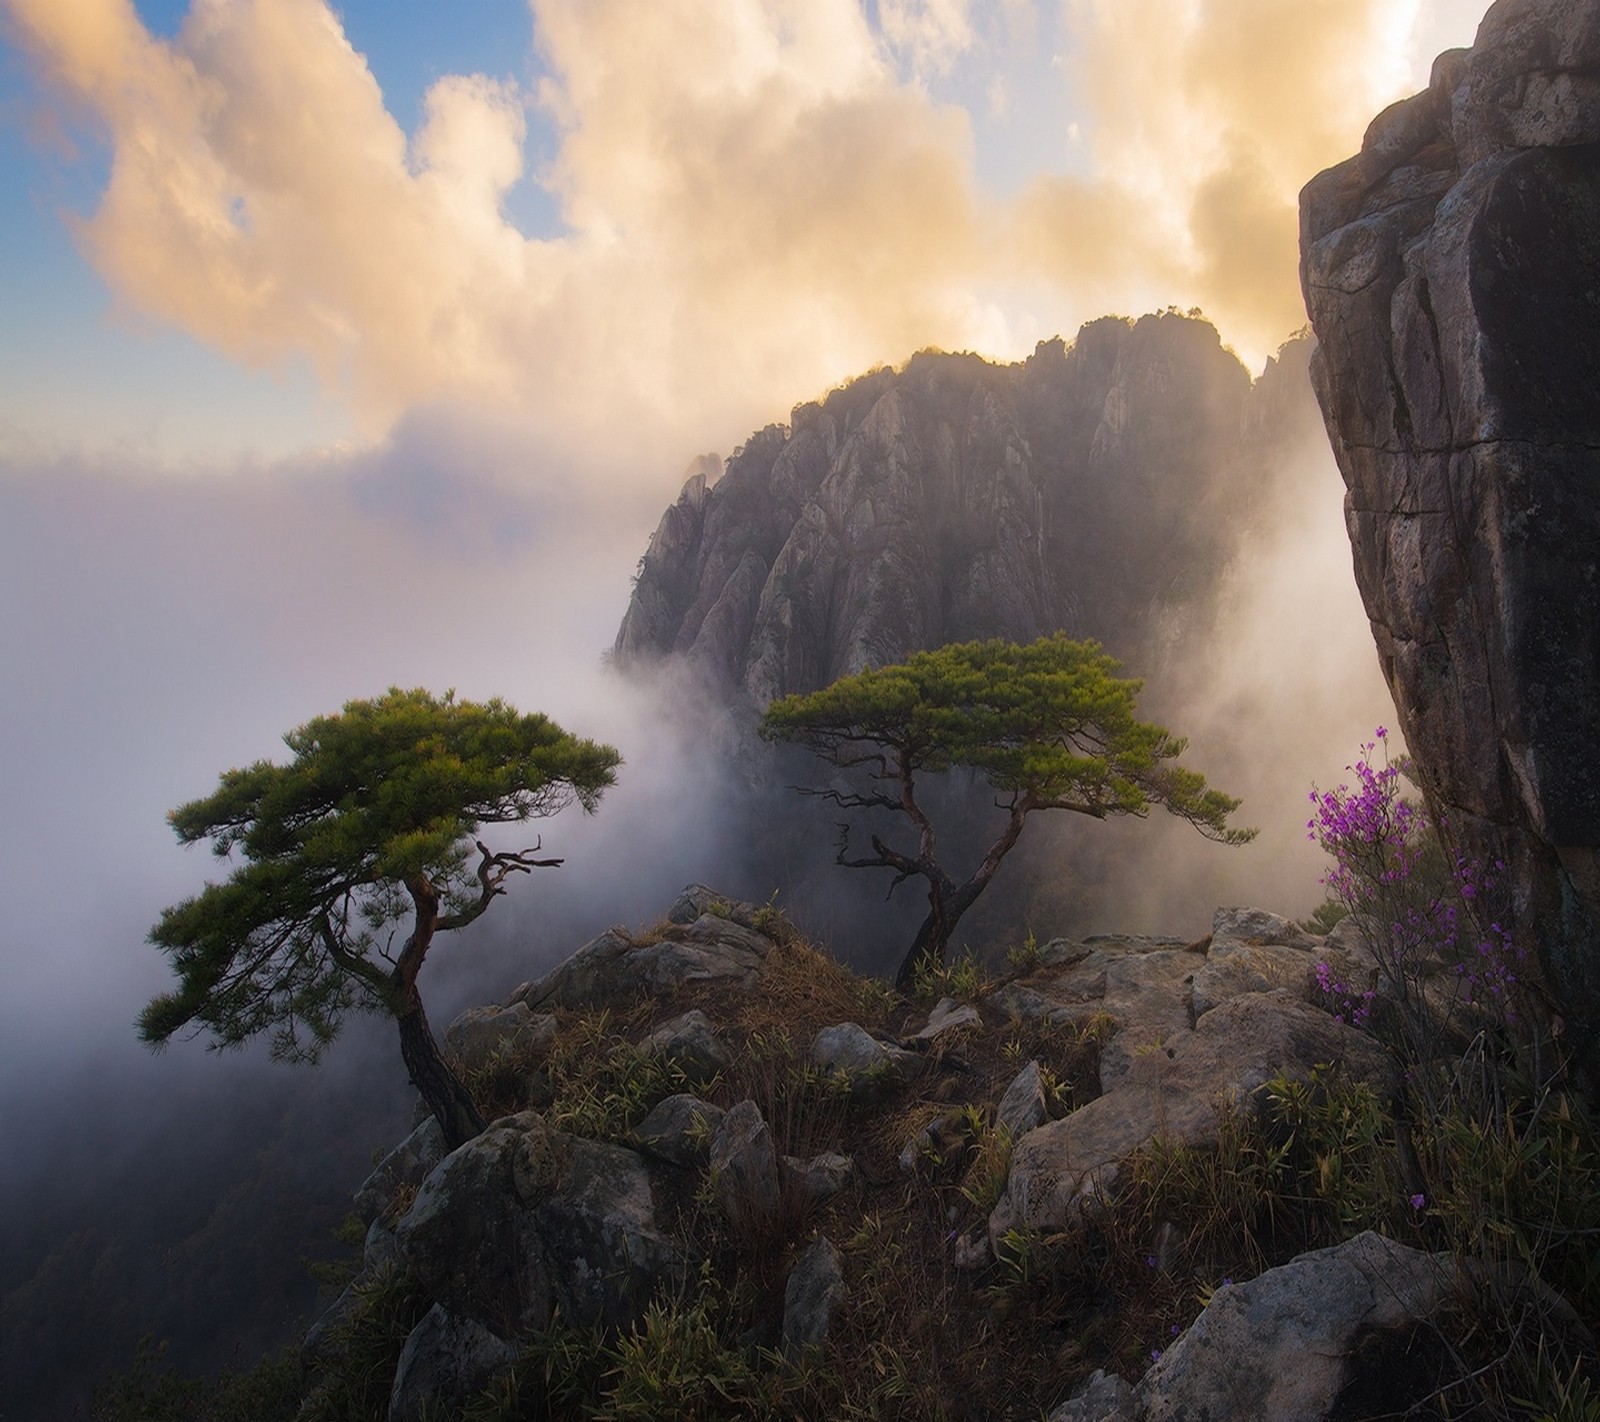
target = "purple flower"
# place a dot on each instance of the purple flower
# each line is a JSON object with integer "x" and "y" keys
{"x": 1418, "y": 1201}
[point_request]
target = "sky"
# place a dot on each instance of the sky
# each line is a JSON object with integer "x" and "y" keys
{"x": 343, "y": 346}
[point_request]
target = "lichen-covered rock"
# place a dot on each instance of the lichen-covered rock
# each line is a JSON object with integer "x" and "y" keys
{"x": 744, "y": 1166}
{"x": 406, "y": 1165}
{"x": 523, "y": 1220}
{"x": 380, "y": 1251}
{"x": 1023, "y": 1106}
{"x": 1139, "y": 986}
{"x": 446, "y": 1360}
{"x": 617, "y": 966}
{"x": 812, "y": 1295}
{"x": 1284, "y": 1346}
{"x": 867, "y": 1067}
{"x": 691, "y": 1044}
{"x": 818, "y": 1177}
{"x": 1103, "y": 1397}
{"x": 1449, "y": 272}
{"x": 679, "y": 1130}
{"x": 697, "y": 900}
{"x": 948, "y": 1016}
{"x": 1234, "y": 966}
{"x": 482, "y": 1035}
{"x": 1260, "y": 926}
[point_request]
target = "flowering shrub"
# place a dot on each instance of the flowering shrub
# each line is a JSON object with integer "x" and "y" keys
{"x": 1349, "y": 1004}
{"x": 1413, "y": 920}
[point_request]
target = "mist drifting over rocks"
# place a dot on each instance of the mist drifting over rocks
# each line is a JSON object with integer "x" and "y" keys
{"x": 1242, "y": 620}
{"x": 1134, "y": 485}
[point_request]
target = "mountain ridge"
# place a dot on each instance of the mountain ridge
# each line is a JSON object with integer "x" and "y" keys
{"x": 955, "y": 498}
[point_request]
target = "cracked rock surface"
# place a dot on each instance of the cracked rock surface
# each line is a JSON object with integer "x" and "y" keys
{"x": 1449, "y": 269}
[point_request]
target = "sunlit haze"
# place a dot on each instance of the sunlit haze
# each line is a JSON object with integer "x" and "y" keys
{"x": 363, "y": 345}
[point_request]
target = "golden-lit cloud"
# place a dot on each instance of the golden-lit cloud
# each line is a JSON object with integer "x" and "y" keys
{"x": 1207, "y": 118}
{"x": 755, "y": 207}
{"x": 757, "y": 198}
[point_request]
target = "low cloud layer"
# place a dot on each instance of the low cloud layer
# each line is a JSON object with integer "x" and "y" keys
{"x": 756, "y": 199}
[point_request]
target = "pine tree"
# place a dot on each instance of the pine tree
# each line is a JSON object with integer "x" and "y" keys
{"x": 349, "y": 860}
{"x": 1050, "y": 726}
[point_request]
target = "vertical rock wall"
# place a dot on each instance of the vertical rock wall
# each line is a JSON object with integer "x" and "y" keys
{"x": 1452, "y": 274}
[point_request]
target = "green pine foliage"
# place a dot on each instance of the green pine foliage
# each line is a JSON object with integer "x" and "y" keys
{"x": 1049, "y": 726}
{"x": 368, "y": 828}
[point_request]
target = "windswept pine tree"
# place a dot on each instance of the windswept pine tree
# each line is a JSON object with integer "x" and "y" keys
{"x": 354, "y": 856}
{"x": 1049, "y": 726}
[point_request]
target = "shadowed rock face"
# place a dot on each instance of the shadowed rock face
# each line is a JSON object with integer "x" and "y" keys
{"x": 1097, "y": 488}
{"x": 1452, "y": 273}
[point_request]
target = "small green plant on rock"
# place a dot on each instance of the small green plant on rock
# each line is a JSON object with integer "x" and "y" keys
{"x": 962, "y": 979}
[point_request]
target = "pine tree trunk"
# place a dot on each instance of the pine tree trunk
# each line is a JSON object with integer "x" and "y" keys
{"x": 946, "y": 905}
{"x": 947, "y": 902}
{"x": 441, "y": 1088}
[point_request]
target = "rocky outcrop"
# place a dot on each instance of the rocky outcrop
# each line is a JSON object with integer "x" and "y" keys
{"x": 446, "y": 1360}
{"x": 522, "y": 1222}
{"x": 1295, "y": 1344}
{"x": 619, "y": 965}
{"x": 559, "y": 1220}
{"x": 1449, "y": 269}
{"x": 1176, "y": 1089}
{"x": 1096, "y": 488}
{"x": 1185, "y": 1032}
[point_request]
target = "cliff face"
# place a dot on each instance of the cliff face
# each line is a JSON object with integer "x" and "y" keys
{"x": 1096, "y": 488}
{"x": 1452, "y": 273}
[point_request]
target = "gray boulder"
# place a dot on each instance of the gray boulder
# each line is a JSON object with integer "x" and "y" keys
{"x": 1103, "y": 1397}
{"x": 1177, "y": 1091}
{"x": 868, "y": 1068}
{"x": 617, "y": 966}
{"x": 1260, "y": 926}
{"x": 379, "y": 1252}
{"x": 744, "y": 1167}
{"x": 407, "y": 1165}
{"x": 948, "y": 1016}
{"x": 482, "y": 1035}
{"x": 691, "y": 1044}
{"x": 1283, "y": 1347}
{"x": 1023, "y": 1106}
{"x": 523, "y": 1220}
{"x": 812, "y": 1296}
{"x": 820, "y": 1177}
{"x": 1236, "y": 965}
{"x": 446, "y": 1360}
{"x": 1448, "y": 269}
{"x": 1140, "y": 985}
{"x": 680, "y": 1130}
{"x": 696, "y": 901}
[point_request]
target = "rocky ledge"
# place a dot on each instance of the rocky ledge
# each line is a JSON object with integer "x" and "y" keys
{"x": 715, "y": 1099}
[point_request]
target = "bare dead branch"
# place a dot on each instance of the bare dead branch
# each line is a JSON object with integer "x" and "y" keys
{"x": 493, "y": 868}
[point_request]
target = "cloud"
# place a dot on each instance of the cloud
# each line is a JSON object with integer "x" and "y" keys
{"x": 1205, "y": 122}
{"x": 756, "y": 198}
{"x": 754, "y": 205}
{"x": 931, "y": 33}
